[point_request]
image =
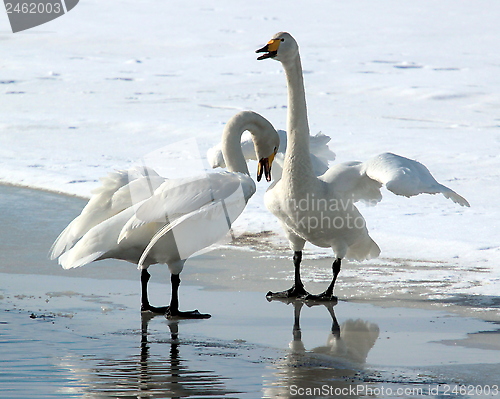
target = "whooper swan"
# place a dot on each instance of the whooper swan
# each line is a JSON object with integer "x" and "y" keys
{"x": 321, "y": 210}
{"x": 182, "y": 216}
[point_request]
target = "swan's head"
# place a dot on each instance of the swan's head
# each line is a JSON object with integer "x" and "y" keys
{"x": 266, "y": 142}
{"x": 281, "y": 47}
{"x": 266, "y": 147}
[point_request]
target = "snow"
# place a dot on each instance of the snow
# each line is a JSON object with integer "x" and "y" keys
{"x": 110, "y": 82}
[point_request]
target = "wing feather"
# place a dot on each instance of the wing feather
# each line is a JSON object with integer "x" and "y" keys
{"x": 407, "y": 177}
{"x": 211, "y": 222}
{"x": 400, "y": 175}
{"x": 176, "y": 198}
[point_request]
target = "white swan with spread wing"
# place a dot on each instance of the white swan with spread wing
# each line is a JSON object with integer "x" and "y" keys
{"x": 151, "y": 219}
{"x": 321, "y": 209}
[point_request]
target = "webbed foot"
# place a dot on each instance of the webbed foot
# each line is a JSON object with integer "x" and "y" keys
{"x": 177, "y": 314}
{"x": 154, "y": 309}
{"x": 294, "y": 292}
{"x": 323, "y": 297}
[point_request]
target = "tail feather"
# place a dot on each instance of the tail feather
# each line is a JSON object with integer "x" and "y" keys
{"x": 69, "y": 261}
{"x": 62, "y": 243}
{"x": 363, "y": 249}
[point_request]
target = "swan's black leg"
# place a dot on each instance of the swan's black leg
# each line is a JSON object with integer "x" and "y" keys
{"x": 173, "y": 310}
{"x": 145, "y": 306}
{"x": 328, "y": 294}
{"x": 297, "y": 289}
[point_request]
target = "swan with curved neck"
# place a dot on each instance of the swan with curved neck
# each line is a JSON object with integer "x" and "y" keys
{"x": 321, "y": 209}
{"x": 181, "y": 217}
{"x": 264, "y": 136}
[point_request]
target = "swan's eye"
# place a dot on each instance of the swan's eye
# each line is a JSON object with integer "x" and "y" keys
{"x": 282, "y": 39}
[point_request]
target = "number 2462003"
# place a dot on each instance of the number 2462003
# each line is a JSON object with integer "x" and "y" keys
{"x": 33, "y": 8}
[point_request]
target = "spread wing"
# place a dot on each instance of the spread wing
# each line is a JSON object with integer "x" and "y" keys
{"x": 402, "y": 176}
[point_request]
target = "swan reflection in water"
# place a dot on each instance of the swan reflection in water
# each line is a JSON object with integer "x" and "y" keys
{"x": 146, "y": 375}
{"x": 146, "y": 363}
{"x": 336, "y": 365}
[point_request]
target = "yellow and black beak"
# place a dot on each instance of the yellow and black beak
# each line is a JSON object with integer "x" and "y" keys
{"x": 270, "y": 49}
{"x": 264, "y": 167}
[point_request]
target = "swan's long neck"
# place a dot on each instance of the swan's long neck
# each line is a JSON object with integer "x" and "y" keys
{"x": 231, "y": 139}
{"x": 297, "y": 165}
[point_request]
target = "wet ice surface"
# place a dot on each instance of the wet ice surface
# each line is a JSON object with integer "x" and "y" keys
{"x": 77, "y": 336}
{"x": 79, "y": 333}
